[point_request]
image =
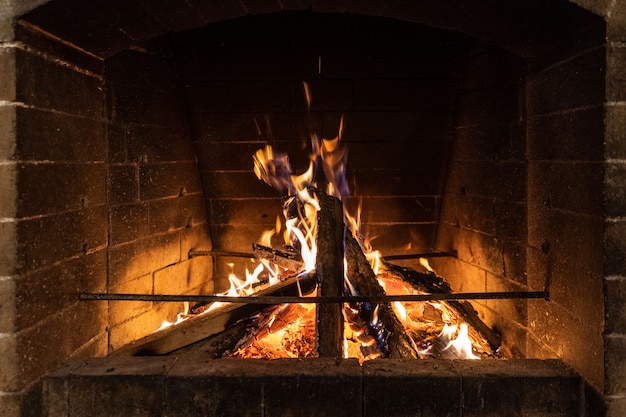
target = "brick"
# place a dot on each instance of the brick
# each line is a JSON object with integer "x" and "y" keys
{"x": 121, "y": 311}
{"x": 261, "y": 211}
{"x": 574, "y": 281}
{"x": 544, "y": 89}
{"x": 131, "y": 387}
{"x": 398, "y": 209}
{"x": 574, "y": 135}
{"x": 486, "y": 106}
{"x": 399, "y": 388}
{"x": 402, "y": 95}
{"x": 515, "y": 260}
{"x": 512, "y": 309}
{"x": 8, "y": 67}
{"x": 10, "y": 379}
{"x": 44, "y": 292}
{"x": 546, "y": 185}
{"x": 67, "y": 137}
{"x": 70, "y": 21}
{"x": 396, "y": 238}
{"x": 228, "y": 156}
{"x": 48, "y": 85}
{"x": 50, "y": 46}
{"x": 168, "y": 180}
{"x": 45, "y": 240}
{"x": 398, "y": 60}
{"x": 143, "y": 70}
{"x": 614, "y": 193}
{"x": 240, "y": 96}
{"x": 615, "y": 131}
{"x": 544, "y": 392}
{"x": 182, "y": 278}
{"x": 152, "y": 144}
{"x": 8, "y": 133}
{"x": 8, "y": 249}
{"x": 165, "y": 215}
{"x": 11, "y": 404}
{"x": 193, "y": 208}
{"x": 398, "y": 155}
{"x": 235, "y": 184}
{"x": 481, "y": 250}
{"x": 128, "y": 223}
{"x": 271, "y": 62}
{"x": 142, "y": 256}
{"x": 615, "y": 61}
{"x": 147, "y": 106}
{"x": 187, "y": 388}
{"x": 123, "y": 182}
{"x": 9, "y": 191}
{"x": 197, "y": 236}
{"x": 615, "y": 305}
{"x": 8, "y": 305}
{"x": 86, "y": 320}
{"x": 576, "y": 340}
{"x": 77, "y": 186}
{"x": 615, "y": 247}
{"x": 396, "y": 126}
{"x": 311, "y": 383}
{"x": 120, "y": 334}
{"x": 395, "y": 182}
{"x": 614, "y": 407}
{"x": 615, "y": 374}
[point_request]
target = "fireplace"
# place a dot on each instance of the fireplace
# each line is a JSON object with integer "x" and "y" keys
{"x": 491, "y": 130}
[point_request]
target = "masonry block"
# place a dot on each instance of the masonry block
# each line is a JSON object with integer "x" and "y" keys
{"x": 399, "y": 389}
{"x": 541, "y": 393}
{"x": 142, "y": 256}
{"x": 168, "y": 180}
{"x": 48, "y": 85}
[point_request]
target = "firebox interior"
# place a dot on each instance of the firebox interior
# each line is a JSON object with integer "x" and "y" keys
{"x": 478, "y": 131}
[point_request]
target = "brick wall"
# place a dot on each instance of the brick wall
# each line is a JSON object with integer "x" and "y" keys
{"x": 392, "y": 83}
{"x": 114, "y": 26}
{"x": 156, "y": 208}
{"x": 484, "y": 205}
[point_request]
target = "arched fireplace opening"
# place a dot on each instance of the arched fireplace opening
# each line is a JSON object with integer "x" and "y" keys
{"x": 473, "y": 128}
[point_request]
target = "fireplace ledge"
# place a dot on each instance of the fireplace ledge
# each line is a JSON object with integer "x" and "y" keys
{"x": 189, "y": 385}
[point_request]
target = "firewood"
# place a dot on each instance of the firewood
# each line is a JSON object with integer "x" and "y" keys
{"x": 329, "y": 270}
{"x": 284, "y": 259}
{"x": 210, "y": 323}
{"x": 363, "y": 279}
{"x": 431, "y": 283}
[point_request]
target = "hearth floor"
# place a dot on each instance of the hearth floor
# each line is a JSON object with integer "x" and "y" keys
{"x": 193, "y": 385}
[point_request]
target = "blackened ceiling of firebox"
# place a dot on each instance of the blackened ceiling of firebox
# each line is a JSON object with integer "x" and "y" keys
{"x": 105, "y": 27}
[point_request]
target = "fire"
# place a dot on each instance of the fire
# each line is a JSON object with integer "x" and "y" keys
{"x": 288, "y": 330}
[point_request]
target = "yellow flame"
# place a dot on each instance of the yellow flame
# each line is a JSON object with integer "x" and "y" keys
{"x": 461, "y": 345}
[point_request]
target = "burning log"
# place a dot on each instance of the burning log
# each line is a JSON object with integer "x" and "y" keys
{"x": 209, "y": 323}
{"x": 284, "y": 259}
{"x": 431, "y": 283}
{"x": 363, "y": 279}
{"x": 329, "y": 269}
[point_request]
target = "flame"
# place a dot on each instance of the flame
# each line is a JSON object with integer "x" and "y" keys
{"x": 180, "y": 317}
{"x": 461, "y": 345}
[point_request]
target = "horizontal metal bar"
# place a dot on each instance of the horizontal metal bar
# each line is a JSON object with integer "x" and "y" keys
{"x": 450, "y": 254}
{"x": 316, "y": 300}
{"x": 193, "y": 253}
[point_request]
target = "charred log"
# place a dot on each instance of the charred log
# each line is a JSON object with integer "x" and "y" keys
{"x": 433, "y": 284}
{"x": 284, "y": 259}
{"x": 329, "y": 271}
{"x": 397, "y": 343}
